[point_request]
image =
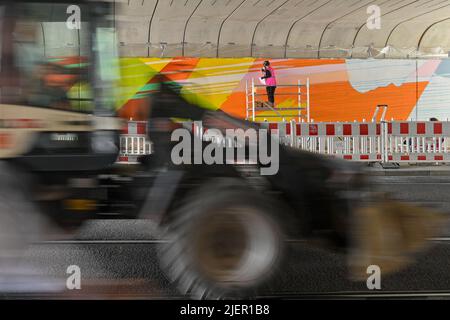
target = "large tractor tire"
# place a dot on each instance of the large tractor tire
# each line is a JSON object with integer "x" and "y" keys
{"x": 20, "y": 224}
{"x": 224, "y": 241}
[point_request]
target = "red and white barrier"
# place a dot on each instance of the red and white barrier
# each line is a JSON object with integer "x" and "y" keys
{"x": 134, "y": 142}
{"x": 135, "y": 127}
{"x": 351, "y": 141}
{"x": 370, "y": 141}
{"x": 417, "y": 142}
{"x": 357, "y": 141}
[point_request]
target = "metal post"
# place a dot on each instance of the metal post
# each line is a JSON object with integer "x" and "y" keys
{"x": 384, "y": 113}
{"x": 299, "y": 98}
{"x": 246, "y": 100}
{"x": 253, "y": 99}
{"x": 293, "y": 133}
{"x": 384, "y": 141}
{"x": 307, "y": 100}
{"x": 374, "y": 117}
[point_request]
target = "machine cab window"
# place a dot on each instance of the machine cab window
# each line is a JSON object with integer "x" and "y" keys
{"x": 56, "y": 55}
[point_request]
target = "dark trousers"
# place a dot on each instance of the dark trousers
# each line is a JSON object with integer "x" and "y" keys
{"x": 271, "y": 94}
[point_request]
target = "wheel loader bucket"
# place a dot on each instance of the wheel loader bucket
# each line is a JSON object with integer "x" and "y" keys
{"x": 389, "y": 234}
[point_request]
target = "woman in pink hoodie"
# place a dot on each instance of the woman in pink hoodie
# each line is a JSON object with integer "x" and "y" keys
{"x": 271, "y": 81}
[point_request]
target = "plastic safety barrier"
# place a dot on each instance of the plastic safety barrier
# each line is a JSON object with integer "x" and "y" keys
{"x": 134, "y": 142}
{"x": 416, "y": 142}
{"x": 385, "y": 142}
{"x": 350, "y": 141}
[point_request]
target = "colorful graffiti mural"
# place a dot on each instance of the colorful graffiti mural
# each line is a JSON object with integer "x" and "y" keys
{"x": 341, "y": 90}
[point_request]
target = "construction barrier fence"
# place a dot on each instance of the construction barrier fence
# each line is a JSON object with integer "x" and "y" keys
{"x": 134, "y": 142}
{"x": 384, "y": 142}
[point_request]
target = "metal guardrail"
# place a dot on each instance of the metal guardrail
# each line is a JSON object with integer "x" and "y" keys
{"x": 299, "y": 111}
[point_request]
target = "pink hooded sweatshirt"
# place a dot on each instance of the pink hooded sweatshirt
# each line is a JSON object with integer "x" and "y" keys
{"x": 271, "y": 81}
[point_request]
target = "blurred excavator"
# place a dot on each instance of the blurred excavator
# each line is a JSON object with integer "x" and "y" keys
{"x": 226, "y": 225}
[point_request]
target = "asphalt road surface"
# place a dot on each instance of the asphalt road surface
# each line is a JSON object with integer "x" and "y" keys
{"x": 117, "y": 259}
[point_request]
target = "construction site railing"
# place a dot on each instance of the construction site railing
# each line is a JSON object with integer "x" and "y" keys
{"x": 384, "y": 142}
{"x": 134, "y": 142}
{"x": 254, "y": 105}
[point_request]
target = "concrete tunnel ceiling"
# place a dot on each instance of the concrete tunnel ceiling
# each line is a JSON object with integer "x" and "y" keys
{"x": 282, "y": 28}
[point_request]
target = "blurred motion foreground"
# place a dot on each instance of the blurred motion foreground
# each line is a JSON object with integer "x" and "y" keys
{"x": 389, "y": 233}
{"x": 226, "y": 225}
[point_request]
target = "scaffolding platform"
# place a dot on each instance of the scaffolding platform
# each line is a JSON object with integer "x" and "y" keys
{"x": 254, "y": 106}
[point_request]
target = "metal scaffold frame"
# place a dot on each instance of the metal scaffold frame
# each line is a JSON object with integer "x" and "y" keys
{"x": 251, "y": 95}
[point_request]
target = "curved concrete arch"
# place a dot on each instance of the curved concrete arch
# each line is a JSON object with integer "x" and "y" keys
{"x": 269, "y": 39}
{"x": 133, "y": 22}
{"x": 377, "y": 43}
{"x": 305, "y": 37}
{"x": 243, "y": 23}
{"x": 436, "y": 30}
{"x": 319, "y": 4}
{"x": 168, "y": 25}
{"x": 418, "y": 23}
{"x": 185, "y": 26}
{"x": 340, "y": 31}
{"x": 221, "y": 26}
{"x": 203, "y": 30}
{"x": 150, "y": 27}
{"x": 252, "y": 43}
{"x": 365, "y": 50}
{"x": 53, "y": 38}
{"x": 61, "y": 41}
{"x": 41, "y": 39}
{"x": 279, "y": 28}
